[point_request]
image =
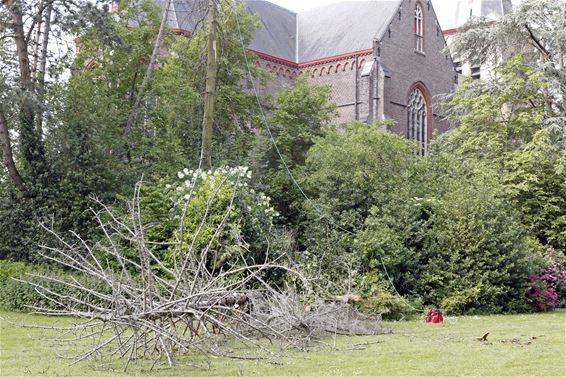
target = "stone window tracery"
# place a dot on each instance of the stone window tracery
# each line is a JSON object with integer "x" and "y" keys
{"x": 417, "y": 124}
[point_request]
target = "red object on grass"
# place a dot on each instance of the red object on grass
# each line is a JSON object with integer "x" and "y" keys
{"x": 428, "y": 316}
{"x": 434, "y": 316}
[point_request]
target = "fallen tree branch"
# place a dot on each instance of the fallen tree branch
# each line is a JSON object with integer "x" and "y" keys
{"x": 137, "y": 303}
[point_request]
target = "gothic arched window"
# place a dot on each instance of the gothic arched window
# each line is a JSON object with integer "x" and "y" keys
{"x": 419, "y": 30}
{"x": 418, "y": 119}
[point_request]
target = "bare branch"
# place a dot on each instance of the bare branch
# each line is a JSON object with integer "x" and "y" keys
{"x": 142, "y": 306}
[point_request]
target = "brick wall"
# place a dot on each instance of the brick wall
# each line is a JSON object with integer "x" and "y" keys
{"x": 282, "y": 75}
{"x": 433, "y": 67}
{"x": 341, "y": 75}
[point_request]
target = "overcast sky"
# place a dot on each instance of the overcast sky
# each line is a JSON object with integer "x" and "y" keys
{"x": 445, "y": 9}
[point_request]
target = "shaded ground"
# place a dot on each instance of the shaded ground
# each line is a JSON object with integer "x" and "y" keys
{"x": 518, "y": 345}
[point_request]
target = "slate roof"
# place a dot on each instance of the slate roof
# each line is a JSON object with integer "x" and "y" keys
{"x": 185, "y": 14}
{"x": 278, "y": 34}
{"x": 343, "y": 27}
{"x": 322, "y": 32}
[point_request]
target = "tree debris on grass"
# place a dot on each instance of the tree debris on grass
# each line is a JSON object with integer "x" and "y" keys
{"x": 149, "y": 306}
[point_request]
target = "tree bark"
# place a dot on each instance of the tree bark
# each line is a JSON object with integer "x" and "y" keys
{"x": 8, "y": 157}
{"x": 21, "y": 43}
{"x": 210, "y": 91}
{"x": 30, "y": 139}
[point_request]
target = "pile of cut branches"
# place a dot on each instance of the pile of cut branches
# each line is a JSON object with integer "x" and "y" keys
{"x": 148, "y": 306}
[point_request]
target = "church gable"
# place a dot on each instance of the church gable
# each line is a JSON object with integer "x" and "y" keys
{"x": 412, "y": 48}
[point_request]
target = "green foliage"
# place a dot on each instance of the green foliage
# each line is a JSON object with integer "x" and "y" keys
{"x": 215, "y": 213}
{"x": 497, "y": 116}
{"x": 348, "y": 172}
{"x": 17, "y": 223}
{"x": 439, "y": 225}
{"x": 505, "y": 133}
{"x": 301, "y": 112}
{"x": 351, "y": 169}
{"x": 18, "y": 295}
{"x": 461, "y": 246}
{"x": 536, "y": 186}
{"x": 15, "y": 295}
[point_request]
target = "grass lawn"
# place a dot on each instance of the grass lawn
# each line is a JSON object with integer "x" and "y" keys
{"x": 518, "y": 345}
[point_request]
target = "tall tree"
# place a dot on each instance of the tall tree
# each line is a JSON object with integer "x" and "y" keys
{"x": 210, "y": 90}
{"x": 537, "y": 30}
{"x": 31, "y": 33}
{"x": 515, "y": 124}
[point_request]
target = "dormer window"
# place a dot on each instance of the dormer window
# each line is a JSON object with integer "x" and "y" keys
{"x": 419, "y": 30}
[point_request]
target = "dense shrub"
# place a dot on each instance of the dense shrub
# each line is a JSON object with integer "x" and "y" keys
{"x": 16, "y": 294}
{"x": 460, "y": 246}
{"x": 220, "y": 213}
{"x": 301, "y": 113}
{"x": 440, "y": 227}
{"x": 349, "y": 171}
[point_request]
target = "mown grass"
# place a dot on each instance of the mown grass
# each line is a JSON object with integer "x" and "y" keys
{"x": 518, "y": 345}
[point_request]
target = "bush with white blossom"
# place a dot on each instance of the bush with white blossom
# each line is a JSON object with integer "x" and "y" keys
{"x": 220, "y": 213}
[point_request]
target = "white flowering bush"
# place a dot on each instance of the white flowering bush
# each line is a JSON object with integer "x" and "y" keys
{"x": 216, "y": 213}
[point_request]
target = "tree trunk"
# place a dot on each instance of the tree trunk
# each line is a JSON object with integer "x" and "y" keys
{"x": 21, "y": 43}
{"x": 31, "y": 144}
{"x": 36, "y": 40}
{"x": 7, "y": 155}
{"x": 210, "y": 91}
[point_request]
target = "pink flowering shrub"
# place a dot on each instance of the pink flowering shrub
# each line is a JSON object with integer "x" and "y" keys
{"x": 548, "y": 288}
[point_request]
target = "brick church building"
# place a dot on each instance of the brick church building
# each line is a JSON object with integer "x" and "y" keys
{"x": 383, "y": 59}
